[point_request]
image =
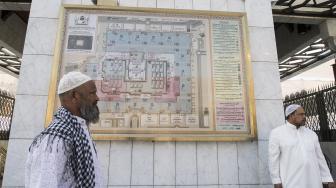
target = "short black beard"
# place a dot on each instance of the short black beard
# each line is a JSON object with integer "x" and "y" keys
{"x": 90, "y": 113}
{"x": 300, "y": 124}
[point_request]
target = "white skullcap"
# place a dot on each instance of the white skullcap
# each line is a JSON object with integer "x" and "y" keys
{"x": 71, "y": 80}
{"x": 291, "y": 108}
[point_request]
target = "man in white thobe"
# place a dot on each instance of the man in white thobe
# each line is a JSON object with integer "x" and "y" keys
{"x": 295, "y": 156}
{"x": 64, "y": 155}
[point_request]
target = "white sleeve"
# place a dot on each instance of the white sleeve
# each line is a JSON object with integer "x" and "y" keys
{"x": 324, "y": 170}
{"x": 45, "y": 166}
{"x": 274, "y": 158}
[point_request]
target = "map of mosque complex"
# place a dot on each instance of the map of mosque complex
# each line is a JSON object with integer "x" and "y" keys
{"x": 146, "y": 70}
{"x": 150, "y": 71}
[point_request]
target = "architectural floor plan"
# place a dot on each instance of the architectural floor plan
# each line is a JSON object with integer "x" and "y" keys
{"x": 150, "y": 72}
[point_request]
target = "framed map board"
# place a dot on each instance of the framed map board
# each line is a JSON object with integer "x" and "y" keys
{"x": 160, "y": 74}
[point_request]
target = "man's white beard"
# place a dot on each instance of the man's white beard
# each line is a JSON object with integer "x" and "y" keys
{"x": 90, "y": 113}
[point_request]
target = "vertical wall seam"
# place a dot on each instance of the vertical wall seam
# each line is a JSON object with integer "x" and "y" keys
{"x": 109, "y": 162}
{"x": 153, "y": 161}
{"x": 217, "y": 164}
{"x": 196, "y": 164}
{"x": 175, "y": 165}
{"x": 131, "y": 163}
{"x": 237, "y": 163}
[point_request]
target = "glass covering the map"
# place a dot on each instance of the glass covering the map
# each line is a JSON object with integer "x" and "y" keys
{"x": 160, "y": 73}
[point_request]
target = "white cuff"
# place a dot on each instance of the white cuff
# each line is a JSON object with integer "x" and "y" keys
{"x": 327, "y": 179}
{"x": 276, "y": 180}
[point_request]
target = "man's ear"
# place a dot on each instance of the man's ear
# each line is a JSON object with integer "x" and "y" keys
{"x": 291, "y": 116}
{"x": 74, "y": 96}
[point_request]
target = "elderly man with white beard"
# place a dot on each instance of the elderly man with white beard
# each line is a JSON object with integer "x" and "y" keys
{"x": 64, "y": 155}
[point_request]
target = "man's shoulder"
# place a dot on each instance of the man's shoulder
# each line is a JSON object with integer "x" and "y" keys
{"x": 277, "y": 132}
{"x": 279, "y": 128}
{"x": 309, "y": 131}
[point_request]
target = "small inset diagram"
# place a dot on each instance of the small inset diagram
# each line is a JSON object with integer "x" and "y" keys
{"x": 80, "y": 42}
{"x": 82, "y": 20}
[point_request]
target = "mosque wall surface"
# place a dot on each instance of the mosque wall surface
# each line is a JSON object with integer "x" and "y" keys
{"x": 155, "y": 164}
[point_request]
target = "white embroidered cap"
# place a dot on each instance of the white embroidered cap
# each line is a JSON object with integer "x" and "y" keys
{"x": 71, "y": 80}
{"x": 291, "y": 108}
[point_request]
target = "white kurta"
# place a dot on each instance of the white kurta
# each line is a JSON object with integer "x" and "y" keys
{"x": 47, "y": 168}
{"x": 296, "y": 159}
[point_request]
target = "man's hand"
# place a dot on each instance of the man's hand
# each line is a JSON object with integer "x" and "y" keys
{"x": 278, "y": 185}
{"x": 331, "y": 185}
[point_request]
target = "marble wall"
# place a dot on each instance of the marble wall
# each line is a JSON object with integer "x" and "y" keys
{"x": 155, "y": 164}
